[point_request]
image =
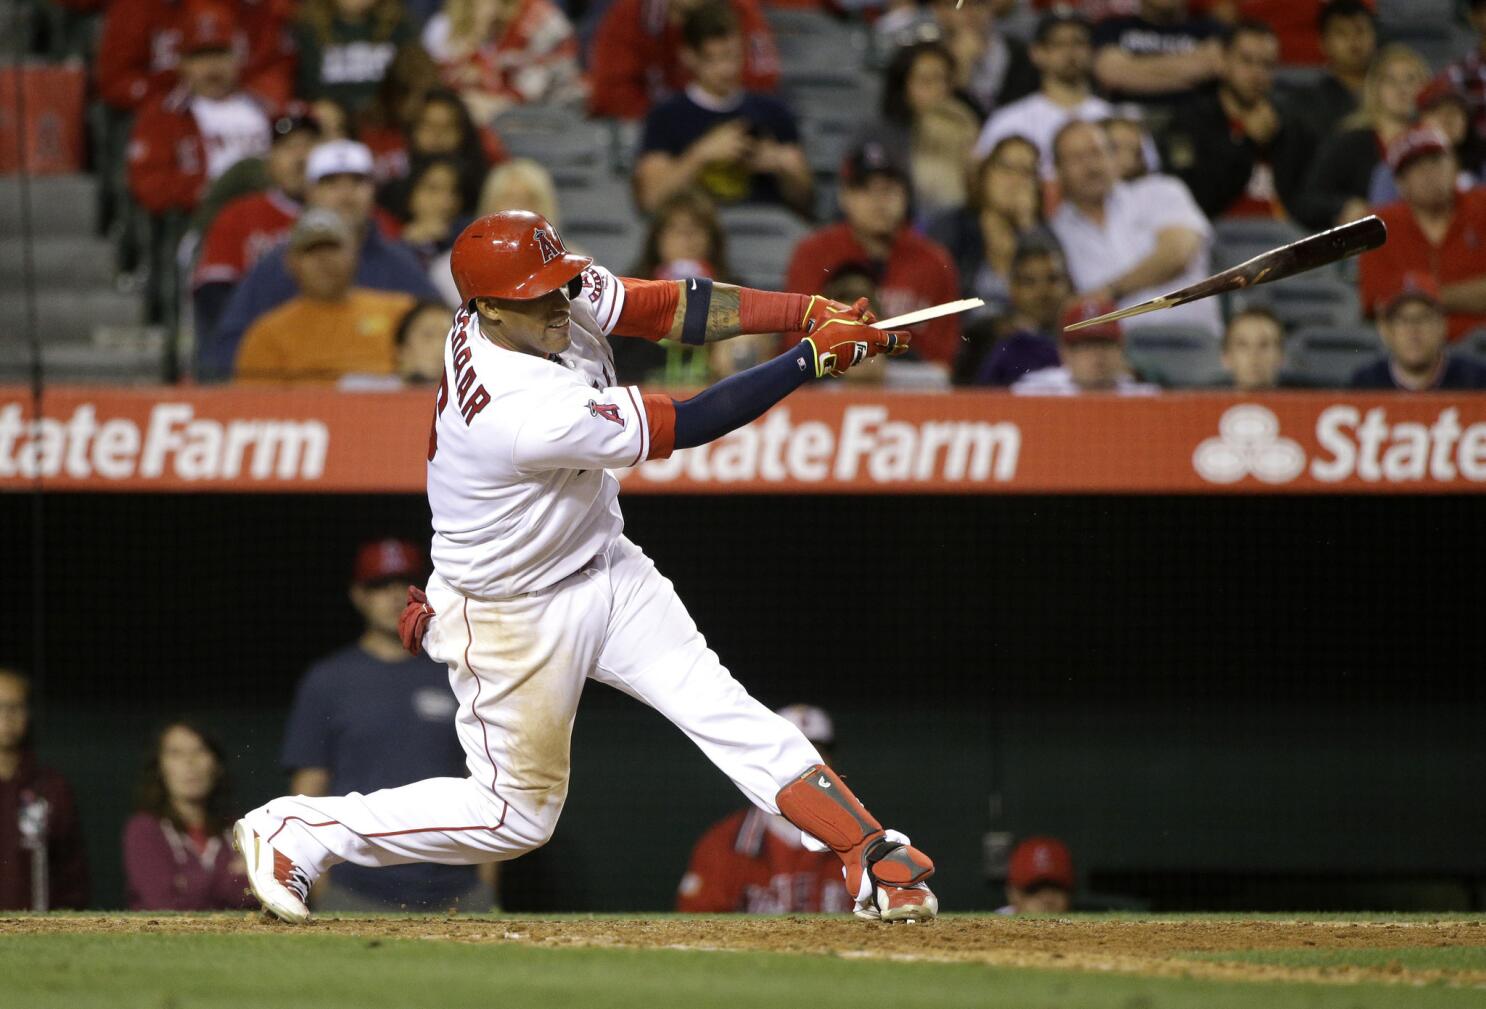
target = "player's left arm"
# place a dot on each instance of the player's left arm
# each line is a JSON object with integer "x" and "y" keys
{"x": 697, "y": 311}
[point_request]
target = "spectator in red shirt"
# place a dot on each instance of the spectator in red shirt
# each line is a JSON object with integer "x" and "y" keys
{"x": 184, "y": 139}
{"x": 1433, "y": 230}
{"x": 177, "y": 852}
{"x": 636, "y": 55}
{"x": 913, "y": 271}
{"x": 250, "y": 225}
{"x": 140, "y": 48}
{"x": 756, "y": 863}
{"x": 39, "y": 829}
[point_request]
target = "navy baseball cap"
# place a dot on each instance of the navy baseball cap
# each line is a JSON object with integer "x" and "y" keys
{"x": 873, "y": 157}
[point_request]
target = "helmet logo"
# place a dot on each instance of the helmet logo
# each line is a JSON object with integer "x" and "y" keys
{"x": 548, "y": 245}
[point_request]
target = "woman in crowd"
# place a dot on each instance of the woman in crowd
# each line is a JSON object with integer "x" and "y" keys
{"x": 383, "y": 124}
{"x": 431, "y": 210}
{"x": 1005, "y": 206}
{"x": 1342, "y": 173}
{"x": 685, "y": 239}
{"x": 924, "y": 114}
{"x": 500, "y": 53}
{"x": 518, "y": 184}
{"x": 177, "y": 852}
{"x": 345, "y": 47}
{"x": 442, "y": 128}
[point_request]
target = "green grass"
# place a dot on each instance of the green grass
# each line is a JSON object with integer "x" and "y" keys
{"x": 309, "y": 971}
{"x": 1415, "y": 958}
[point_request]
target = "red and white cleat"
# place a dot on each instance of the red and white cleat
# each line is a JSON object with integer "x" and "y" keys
{"x": 907, "y": 904}
{"x": 282, "y": 887}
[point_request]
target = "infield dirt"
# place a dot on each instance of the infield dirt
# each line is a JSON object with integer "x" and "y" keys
{"x": 1151, "y": 948}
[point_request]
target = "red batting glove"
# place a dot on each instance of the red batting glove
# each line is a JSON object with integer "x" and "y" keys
{"x": 413, "y": 623}
{"x": 844, "y": 336}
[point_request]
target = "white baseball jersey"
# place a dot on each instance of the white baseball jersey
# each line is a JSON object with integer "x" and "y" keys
{"x": 519, "y": 456}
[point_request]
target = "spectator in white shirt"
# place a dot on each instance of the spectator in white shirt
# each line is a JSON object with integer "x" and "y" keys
{"x": 1093, "y": 359}
{"x": 1062, "y": 52}
{"x": 1130, "y": 241}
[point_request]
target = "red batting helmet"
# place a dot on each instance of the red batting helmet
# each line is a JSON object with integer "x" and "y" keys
{"x": 513, "y": 254}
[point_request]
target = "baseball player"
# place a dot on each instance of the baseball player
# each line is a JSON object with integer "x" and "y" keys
{"x": 536, "y": 589}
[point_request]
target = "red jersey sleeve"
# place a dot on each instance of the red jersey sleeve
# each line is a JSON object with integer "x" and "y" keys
{"x": 712, "y": 882}
{"x": 649, "y": 308}
{"x": 223, "y": 257}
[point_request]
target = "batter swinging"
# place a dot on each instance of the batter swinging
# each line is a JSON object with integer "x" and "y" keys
{"x": 536, "y": 589}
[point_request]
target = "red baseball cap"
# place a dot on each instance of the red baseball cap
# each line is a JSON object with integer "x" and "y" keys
{"x": 1040, "y": 860}
{"x": 1413, "y": 286}
{"x": 1089, "y": 308}
{"x": 208, "y": 26}
{"x": 382, "y": 559}
{"x": 1416, "y": 143}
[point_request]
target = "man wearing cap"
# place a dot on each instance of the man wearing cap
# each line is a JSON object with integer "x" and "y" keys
{"x": 1130, "y": 241}
{"x": 1433, "y": 230}
{"x": 339, "y": 173}
{"x": 248, "y": 226}
{"x": 1063, "y": 55}
{"x": 204, "y": 126}
{"x": 1412, "y": 324}
{"x": 1026, "y": 339}
{"x": 755, "y": 862}
{"x": 1039, "y": 878}
{"x": 736, "y": 144}
{"x": 347, "y": 707}
{"x": 912, "y": 271}
{"x": 1442, "y": 105}
{"x": 1093, "y": 359}
{"x": 331, "y": 329}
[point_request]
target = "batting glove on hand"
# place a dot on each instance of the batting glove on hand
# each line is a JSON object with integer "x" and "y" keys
{"x": 842, "y": 336}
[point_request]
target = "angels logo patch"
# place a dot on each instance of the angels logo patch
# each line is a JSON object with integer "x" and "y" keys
{"x": 608, "y": 411}
{"x": 547, "y": 246}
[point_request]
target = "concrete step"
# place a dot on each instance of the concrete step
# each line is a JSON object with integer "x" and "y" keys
{"x": 72, "y": 262}
{"x": 61, "y": 205}
{"x": 65, "y": 316}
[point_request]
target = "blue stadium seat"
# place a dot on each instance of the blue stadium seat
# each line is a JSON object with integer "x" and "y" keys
{"x": 1328, "y": 355}
{"x": 1175, "y": 356}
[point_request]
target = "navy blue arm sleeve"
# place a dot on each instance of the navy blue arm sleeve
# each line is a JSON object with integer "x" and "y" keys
{"x": 741, "y": 398}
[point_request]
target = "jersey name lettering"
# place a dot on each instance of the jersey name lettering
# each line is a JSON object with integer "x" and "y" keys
{"x": 472, "y": 397}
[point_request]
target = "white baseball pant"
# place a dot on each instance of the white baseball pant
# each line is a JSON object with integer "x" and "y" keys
{"x": 517, "y": 667}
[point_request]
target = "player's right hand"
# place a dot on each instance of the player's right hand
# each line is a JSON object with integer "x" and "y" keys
{"x": 843, "y": 335}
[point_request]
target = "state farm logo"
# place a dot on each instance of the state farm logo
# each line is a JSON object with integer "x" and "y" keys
{"x": 1249, "y": 444}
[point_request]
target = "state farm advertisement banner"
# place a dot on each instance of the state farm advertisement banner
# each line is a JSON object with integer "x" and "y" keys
{"x": 818, "y": 441}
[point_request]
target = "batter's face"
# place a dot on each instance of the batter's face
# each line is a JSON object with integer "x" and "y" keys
{"x": 15, "y": 712}
{"x": 538, "y": 326}
{"x": 381, "y": 603}
{"x": 187, "y": 765}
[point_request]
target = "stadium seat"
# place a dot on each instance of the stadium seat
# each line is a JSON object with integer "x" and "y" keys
{"x": 760, "y": 242}
{"x": 1309, "y": 300}
{"x": 1328, "y": 355}
{"x": 575, "y": 150}
{"x": 1175, "y": 356}
{"x": 608, "y": 201}
{"x": 1264, "y": 231}
{"x": 611, "y": 244}
{"x": 826, "y": 143}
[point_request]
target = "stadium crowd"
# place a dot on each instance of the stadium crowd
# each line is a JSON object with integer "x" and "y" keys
{"x": 286, "y": 178}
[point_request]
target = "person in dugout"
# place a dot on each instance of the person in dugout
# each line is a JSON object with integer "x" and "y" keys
{"x": 754, "y": 862}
